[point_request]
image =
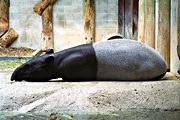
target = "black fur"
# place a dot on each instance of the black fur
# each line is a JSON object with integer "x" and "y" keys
{"x": 77, "y": 63}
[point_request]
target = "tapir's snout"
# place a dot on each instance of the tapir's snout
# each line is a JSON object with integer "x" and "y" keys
{"x": 18, "y": 74}
{"x": 38, "y": 69}
{"x": 14, "y": 76}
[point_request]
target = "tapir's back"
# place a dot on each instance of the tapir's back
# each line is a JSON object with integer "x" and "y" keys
{"x": 127, "y": 60}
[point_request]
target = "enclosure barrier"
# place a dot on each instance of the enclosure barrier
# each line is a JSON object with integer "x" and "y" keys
{"x": 158, "y": 27}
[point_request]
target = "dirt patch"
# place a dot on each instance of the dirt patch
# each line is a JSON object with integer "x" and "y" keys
{"x": 16, "y": 51}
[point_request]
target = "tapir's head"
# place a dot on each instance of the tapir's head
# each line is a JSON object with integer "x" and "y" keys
{"x": 38, "y": 69}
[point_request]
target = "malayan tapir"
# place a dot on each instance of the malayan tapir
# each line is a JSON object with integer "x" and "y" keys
{"x": 115, "y": 59}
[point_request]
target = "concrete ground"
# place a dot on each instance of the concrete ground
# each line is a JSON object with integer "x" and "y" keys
{"x": 89, "y": 97}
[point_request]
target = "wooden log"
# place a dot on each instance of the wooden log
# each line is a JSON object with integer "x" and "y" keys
{"x": 141, "y": 21}
{"x": 89, "y": 21}
{"x": 4, "y": 16}
{"x": 121, "y": 16}
{"x": 42, "y": 5}
{"x": 163, "y": 36}
{"x": 149, "y": 36}
{"x": 47, "y": 29}
{"x": 8, "y": 38}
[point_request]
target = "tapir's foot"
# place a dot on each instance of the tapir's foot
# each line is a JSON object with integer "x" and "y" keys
{"x": 178, "y": 71}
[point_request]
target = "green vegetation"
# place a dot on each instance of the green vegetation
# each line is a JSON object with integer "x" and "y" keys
{"x": 31, "y": 116}
{"x": 11, "y": 64}
{"x": 121, "y": 115}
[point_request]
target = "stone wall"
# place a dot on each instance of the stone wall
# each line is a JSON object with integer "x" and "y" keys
{"x": 26, "y": 23}
{"x": 67, "y": 21}
{"x": 106, "y": 17}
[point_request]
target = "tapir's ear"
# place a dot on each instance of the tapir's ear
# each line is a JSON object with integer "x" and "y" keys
{"x": 49, "y": 59}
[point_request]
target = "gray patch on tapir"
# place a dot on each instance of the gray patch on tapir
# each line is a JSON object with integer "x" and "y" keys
{"x": 127, "y": 60}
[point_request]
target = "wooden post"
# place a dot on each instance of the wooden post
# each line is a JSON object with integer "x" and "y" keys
{"x": 174, "y": 60}
{"x": 4, "y": 16}
{"x": 150, "y": 23}
{"x": 163, "y": 36}
{"x": 135, "y": 19}
{"x": 8, "y": 38}
{"x": 146, "y": 30}
{"x": 141, "y": 21}
{"x": 129, "y": 19}
{"x": 121, "y": 16}
{"x": 47, "y": 29}
{"x": 178, "y": 37}
{"x": 45, "y": 8}
{"x": 89, "y": 21}
{"x": 178, "y": 26}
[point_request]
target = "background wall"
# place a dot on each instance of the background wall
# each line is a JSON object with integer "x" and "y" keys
{"x": 68, "y": 26}
{"x": 26, "y": 23}
{"x": 68, "y": 23}
{"x": 106, "y": 19}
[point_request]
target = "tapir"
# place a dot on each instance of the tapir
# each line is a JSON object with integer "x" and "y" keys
{"x": 115, "y": 59}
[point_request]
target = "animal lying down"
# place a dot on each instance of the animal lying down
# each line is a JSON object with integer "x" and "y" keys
{"x": 117, "y": 59}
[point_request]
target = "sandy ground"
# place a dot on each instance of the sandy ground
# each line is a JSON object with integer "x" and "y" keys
{"x": 94, "y": 96}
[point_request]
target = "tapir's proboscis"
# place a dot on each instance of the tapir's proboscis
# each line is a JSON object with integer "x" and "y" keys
{"x": 117, "y": 59}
